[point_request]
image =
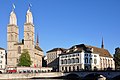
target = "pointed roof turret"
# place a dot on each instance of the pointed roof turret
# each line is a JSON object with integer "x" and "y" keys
{"x": 102, "y": 46}
{"x": 37, "y": 41}
{"x": 37, "y": 44}
{"x": 13, "y": 19}
{"x": 29, "y": 17}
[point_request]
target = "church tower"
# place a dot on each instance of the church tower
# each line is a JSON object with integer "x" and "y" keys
{"x": 12, "y": 38}
{"x": 29, "y": 35}
{"x": 29, "y": 31}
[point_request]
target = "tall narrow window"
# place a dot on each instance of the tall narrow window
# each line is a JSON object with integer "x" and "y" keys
{"x": 11, "y": 37}
{"x": 65, "y": 61}
{"x": 69, "y": 61}
{"x": 61, "y": 61}
{"x": 15, "y": 37}
{"x": 86, "y": 60}
{"x": 77, "y": 60}
{"x": 72, "y": 60}
{"x": 19, "y": 50}
{"x": 95, "y": 61}
{"x": 28, "y": 36}
{"x": 90, "y": 60}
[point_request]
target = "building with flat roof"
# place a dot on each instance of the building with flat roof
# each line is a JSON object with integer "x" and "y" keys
{"x": 53, "y": 58}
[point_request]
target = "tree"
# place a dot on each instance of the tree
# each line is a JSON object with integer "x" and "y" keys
{"x": 25, "y": 59}
{"x": 117, "y": 58}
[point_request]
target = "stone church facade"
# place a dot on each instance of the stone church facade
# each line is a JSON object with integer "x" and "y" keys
{"x": 15, "y": 48}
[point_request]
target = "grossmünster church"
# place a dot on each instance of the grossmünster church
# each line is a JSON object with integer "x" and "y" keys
{"x": 15, "y": 48}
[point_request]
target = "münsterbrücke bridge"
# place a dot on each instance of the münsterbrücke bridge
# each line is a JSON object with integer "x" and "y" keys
{"x": 108, "y": 74}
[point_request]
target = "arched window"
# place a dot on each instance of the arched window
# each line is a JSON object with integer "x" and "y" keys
{"x": 100, "y": 62}
{"x": 73, "y": 68}
{"x": 62, "y": 68}
{"x": 86, "y": 60}
{"x": 15, "y": 37}
{"x": 103, "y": 63}
{"x": 69, "y": 68}
{"x": 28, "y": 36}
{"x": 77, "y": 68}
{"x": 61, "y": 61}
{"x": 65, "y": 69}
{"x": 69, "y": 61}
{"x": 90, "y": 60}
{"x": 11, "y": 37}
{"x": 77, "y": 60}
{"x": 111, "y": 63}
{"x": 95, "y": 61}
{"x": 108, "y": 63}
{"x": 19, "y": 50}
{"x": 65, "y": 61}
{"x": 17, "y": 60}
{"x": 72, "y": 60}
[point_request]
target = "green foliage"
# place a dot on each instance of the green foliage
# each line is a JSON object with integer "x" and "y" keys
{"x": 117, "y": 58}
{"x": 25, "y": 59}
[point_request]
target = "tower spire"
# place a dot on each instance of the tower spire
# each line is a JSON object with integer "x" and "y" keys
{"x": 13, "y": 18}
{"x": 37, "y": 41}
{"x": 102, "y": 46}
{"x": 29, "y": 17}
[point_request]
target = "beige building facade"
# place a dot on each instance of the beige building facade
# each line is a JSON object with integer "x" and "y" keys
{"x": 15, "y": 48}
{"x": 53, "y": 58}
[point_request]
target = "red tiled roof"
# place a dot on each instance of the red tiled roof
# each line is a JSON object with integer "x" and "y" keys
{"x": 100, "y": 51}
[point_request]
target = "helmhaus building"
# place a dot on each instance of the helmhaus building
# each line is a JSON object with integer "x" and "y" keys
{"x": 86, "y": 57}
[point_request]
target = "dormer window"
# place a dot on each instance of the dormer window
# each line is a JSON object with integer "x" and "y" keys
{"x": 86, "y": 54}
{"x": 75, "y": 48}
{"x": 91, "y": 49}
{"x": 68, "y": 50}
{"x": 88, "y": 49}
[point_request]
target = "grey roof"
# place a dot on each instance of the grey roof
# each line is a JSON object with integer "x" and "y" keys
{"x": 2, "y": 48}
{"x": 38, "y": 48}
{"x": 19, "y": 43}
{"x": 56, "y": 49}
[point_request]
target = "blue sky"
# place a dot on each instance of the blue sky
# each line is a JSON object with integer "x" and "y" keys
{"x": 64, "y": 23}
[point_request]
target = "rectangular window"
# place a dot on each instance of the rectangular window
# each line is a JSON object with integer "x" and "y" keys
{"x": 95, "y": 56}
{"x": 0, "y": 66}
{"x": 1, "y": 56}
{"x": 0, "y": 61}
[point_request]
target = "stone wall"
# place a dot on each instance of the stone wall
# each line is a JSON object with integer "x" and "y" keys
{"x": 30, "y": 75}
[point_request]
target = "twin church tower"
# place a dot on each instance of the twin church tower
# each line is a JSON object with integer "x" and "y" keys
{"x": 15, "y": 48}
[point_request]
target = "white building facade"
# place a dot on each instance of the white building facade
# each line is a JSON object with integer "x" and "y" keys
{"x": 2, "y": 59}
{"x": 83, "y": 57}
